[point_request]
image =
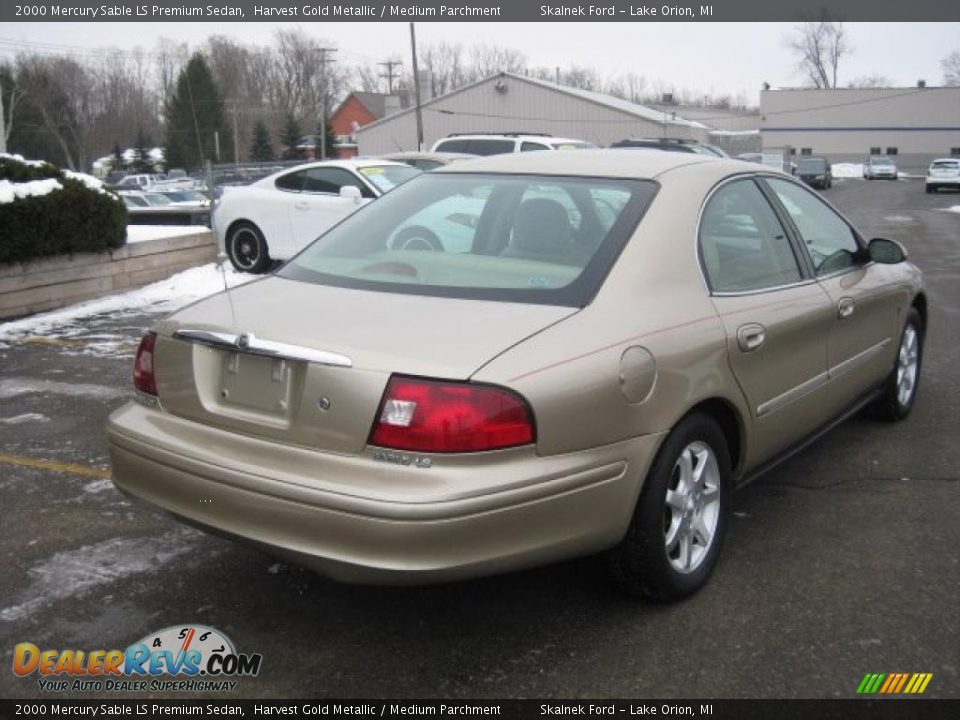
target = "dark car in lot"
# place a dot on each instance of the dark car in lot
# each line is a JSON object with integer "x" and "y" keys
{"x": 815, "y": 171}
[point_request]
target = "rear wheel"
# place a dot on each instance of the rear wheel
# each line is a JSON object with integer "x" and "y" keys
{"x": 900, "y": 390}
{"x": 247, "y": 248}
{"x": 931, "y": 188}
{"x": 674, "y": 539}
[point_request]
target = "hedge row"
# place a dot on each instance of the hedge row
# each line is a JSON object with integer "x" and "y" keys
{"x": 72, "y": 220}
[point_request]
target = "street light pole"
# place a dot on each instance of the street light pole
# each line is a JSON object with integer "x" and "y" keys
{"x": 323, "y": 98}
{"x": 416, "y": 87}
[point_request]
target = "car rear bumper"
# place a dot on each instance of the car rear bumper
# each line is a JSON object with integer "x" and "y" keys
{"x": 943, "y": 181}
{"x": 545, "y": 509}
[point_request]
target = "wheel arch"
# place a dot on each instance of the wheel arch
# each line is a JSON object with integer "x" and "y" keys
{"x": 729, "y": 419}
{"x": 920, "y": 303}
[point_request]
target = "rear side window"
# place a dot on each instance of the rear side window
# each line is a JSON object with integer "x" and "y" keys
{"x": 490, "y": 147}
{"x": 829, "y": 240}
{"x": 291, "y": 182}
{"x": 532, "y": 147}
{"x": 743, "y": 246}
{"x": 329, "y": 180}
{"x": 454, "y": 146}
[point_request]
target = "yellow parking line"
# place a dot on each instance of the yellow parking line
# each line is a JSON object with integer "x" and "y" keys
{"x": 85, "y": 470}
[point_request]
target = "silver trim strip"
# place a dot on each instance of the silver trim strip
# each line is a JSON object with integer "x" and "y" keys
{"x": 860, "y": 358}
{"x": 793, "y": 394}
{"x": 808, "y": 386}
{"x": 246, "y": 343}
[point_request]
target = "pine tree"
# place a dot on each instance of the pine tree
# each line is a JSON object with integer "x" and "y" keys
{"x": 261, "y": 150}
{"x": 193, "y": 115}
{"x": 141, "y": 154}
{"x": 290, "y": 138}
{"x": 117, "y": 158}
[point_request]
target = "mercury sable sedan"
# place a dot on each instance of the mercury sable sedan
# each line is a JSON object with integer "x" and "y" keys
{"x": 625, "y": 339}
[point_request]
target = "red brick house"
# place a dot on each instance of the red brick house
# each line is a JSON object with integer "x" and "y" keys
{"x": 357, "y": 110}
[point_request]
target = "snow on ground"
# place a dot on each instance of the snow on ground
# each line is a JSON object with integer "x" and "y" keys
{"x": 952, "y": 208}
{"x": 142, "y": 233}
{"x": 847, "y": 170}
{"x": 161, "y": 297}
{"x": 10, "y": 191}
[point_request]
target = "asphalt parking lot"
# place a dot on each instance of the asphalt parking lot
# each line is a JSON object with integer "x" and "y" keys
{"x": 842, "y": 561}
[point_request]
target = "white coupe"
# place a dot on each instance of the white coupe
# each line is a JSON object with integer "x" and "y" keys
{"x": 276, "y": 217}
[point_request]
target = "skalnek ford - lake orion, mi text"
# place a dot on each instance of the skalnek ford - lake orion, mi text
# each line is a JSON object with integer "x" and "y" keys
{"x": 348, "y": 11}
{"x": 628, "y": 11}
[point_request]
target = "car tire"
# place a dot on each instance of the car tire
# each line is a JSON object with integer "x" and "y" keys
{"x": 247, "y": 248}
{"x": 900, "y": 387}
{"x": 931, "y": 188}
{"x": 417, "y": 237}
{"x": 675, "y": 506}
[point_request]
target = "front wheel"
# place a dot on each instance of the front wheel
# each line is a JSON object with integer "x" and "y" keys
{"x": 247, "y": 248}
{"x": 900, "y": 389}
{"x": 674, "y": 539}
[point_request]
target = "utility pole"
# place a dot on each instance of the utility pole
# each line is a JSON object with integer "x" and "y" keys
{"x": 390, "y": 74}
{"x": 3, "y": 126}
{"x": 416, "y": 87}
{"x": 323, "y": 98}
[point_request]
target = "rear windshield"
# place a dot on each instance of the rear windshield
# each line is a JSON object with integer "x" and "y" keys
{"x": 477, "y": 146}
{"x": 516, "y": 238}
{"x": 568, "y": 145}
{"x": 946, "y": 164}
{"x": 814, "y": 165}
{"x": 881, "y": 161}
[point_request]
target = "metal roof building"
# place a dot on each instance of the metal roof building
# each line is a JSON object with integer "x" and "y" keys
{"x": 515, "y": 103}
{"x": 916, "y": 124}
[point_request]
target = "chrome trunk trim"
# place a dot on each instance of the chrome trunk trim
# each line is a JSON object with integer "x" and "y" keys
{"x": 248, "y": 343}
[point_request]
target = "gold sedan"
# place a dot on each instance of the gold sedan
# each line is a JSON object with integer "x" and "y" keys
{"x": 581, "y": 352}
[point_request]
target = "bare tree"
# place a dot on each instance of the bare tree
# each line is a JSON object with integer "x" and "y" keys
{"x": 951, "y": 69}
{"x": 487, "y": 60}
{"x": 819, "y": 46}
{"x": 870, "y": 81}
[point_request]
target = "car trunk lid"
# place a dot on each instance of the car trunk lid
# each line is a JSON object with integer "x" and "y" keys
{"x": 307, "y": 364}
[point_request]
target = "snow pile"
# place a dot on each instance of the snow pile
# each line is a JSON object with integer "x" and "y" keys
{"x": 143, "y": 233}
{"x": 89, "y": 180}
{"x": 847, "y": 170}
{"x": 20, "y": 159}
{"x": 952, "y": 208}
{"x": 10, "y": 191}
{"x": 160, "y": 297}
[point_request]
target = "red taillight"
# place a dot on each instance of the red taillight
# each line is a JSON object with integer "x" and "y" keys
{"x": 450, "y": 417}
{"x": 143, "y": 378}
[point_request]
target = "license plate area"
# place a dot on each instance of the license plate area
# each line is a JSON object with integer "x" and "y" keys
{"x": 256, "y": 383}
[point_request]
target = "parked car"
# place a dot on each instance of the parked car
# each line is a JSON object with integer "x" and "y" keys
{"x": 815, "y": 171}
{"x": 144, "y": 199}
{"x": 142, "y": 181}
{"x": 671, "y": 144}
{"x": 403, "y": 415}
{"x": 880, "y": 166}
{"x": 426, "y": 161}
{"x": 276, "y": 217}
{"x": 499, "y": 143}
{"x": 187, "y": 198}
{"x": 943, "y": 173}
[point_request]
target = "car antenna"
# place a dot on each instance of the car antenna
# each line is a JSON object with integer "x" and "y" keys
{"x": 222, "y": 262}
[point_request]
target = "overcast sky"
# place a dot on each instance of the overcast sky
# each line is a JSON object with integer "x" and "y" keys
{"x": 706, "y": 57}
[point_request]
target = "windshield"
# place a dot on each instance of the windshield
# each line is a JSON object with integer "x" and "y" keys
{"x": 812, "y": 165}
{"x": 386, "y": 177}
{"x": 571, "y": 145}
{"x": 517, "y": 238}
{"x": 881, "y": 161}
{"x": 158, "y": 199}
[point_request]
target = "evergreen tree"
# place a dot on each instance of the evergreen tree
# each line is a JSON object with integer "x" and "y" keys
{"x": 260, "y": 148}
{"x": 141, "y": 154}
{"x": 290, "y": 138}
{"x": 331, "y": 153}
{"x": 193, "y": 115}
{"x": 117, "y": 156}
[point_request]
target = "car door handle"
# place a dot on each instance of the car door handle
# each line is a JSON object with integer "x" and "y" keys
{"x": 845, "y": 307}
{"x": 751, "y": 336}
{"x": 302, "y": 205}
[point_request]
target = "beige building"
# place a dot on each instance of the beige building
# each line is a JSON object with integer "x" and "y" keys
{"x": 915, "y": 124}
{"x": 514, "y": 103}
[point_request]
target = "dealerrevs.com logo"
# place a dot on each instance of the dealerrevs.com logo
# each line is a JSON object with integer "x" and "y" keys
{"x": 200, "y": 658}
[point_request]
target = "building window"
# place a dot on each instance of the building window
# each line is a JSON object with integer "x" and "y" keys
{"x": 875, "y": 151}
{"x": 954, "y": 152}
{"x": 793, "y": 151}
{"x": 806, "y": 151}
{"x": 891, "y": 151}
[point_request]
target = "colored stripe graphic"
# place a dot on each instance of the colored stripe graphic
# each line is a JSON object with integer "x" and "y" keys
{"x": 894, "y": 683}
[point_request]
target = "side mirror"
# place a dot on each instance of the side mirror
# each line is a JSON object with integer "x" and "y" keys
{"x": 349, "y": 192}
{"x": 887, "y": 252}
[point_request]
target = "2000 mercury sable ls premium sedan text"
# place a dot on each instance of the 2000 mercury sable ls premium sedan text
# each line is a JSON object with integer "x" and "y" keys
{"x": 626, "y": 337}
